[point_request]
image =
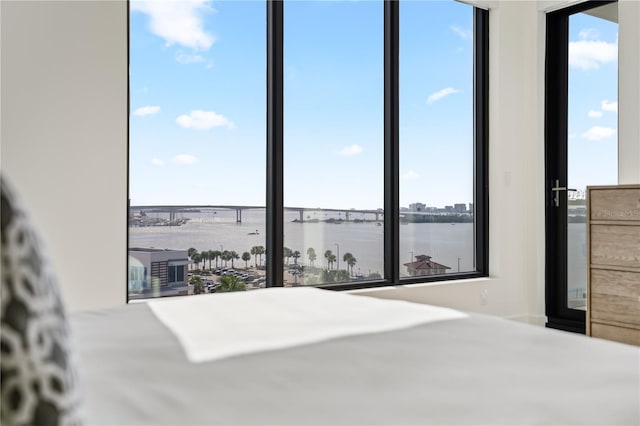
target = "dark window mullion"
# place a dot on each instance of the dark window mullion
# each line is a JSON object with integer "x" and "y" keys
{"x": 391, "y": 143}
{"x": 481, "y": 138}
{"x": 275, "y": 163}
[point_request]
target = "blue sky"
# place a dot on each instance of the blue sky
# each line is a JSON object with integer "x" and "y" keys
{"x": 593, "y": 101}
{"x": 197, "y": 129}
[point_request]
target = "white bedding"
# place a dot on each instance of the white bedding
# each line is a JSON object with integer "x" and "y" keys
{"x": 465, "y": 371}
{"x": 217, "y": 326}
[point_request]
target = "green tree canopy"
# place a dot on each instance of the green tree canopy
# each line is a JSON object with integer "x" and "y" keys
{"x": 349, "y": 260}
{"x": 229, "y": 283}
{"x": 246, "y": 256}
{"x": 195, "y": 257}
{"x": 327, "y": 255}
{"x": 198, "y": 285}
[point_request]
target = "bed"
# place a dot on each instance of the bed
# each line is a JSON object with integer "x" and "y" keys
{"x": 288, "y": 356}
{"x": 257, "y": 358}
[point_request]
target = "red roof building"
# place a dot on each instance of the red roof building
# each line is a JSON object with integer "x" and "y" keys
{"x": 423, "y": 265}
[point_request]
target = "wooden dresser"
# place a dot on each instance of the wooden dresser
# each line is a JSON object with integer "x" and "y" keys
{"x": 613, "y": 241}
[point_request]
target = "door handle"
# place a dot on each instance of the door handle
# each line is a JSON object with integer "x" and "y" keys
{"x": 556, "y": 192}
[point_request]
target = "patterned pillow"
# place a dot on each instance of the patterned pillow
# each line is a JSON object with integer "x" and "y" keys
{"x": 39, "y": 384}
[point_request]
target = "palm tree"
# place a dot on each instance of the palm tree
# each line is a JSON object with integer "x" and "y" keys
{"x": 198, "y": 285}
{"x": 192, "y": 252}
{"x": 254, "y": 252}
{"x": 204, "y": 256}
{"x": 286, "y": 254}
{"x": 311, "y": 254}
{"x": 230, "y": 283}
{"x": 326, "y": 256}
{"x": 195, "y": 257}
{"x": 246, "y": 256}
{"x": 295, "y": 255}
{"x": 260, "y": 250}
{"x": 225, "y": 256}
{"x": 331, "y": 259}
{"x": 233, "y": 255}
{"x": 215, "y": 254}
{"x": 349, "y": 260}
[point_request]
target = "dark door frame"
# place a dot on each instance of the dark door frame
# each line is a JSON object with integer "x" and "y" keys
{"x": 558, "y": 314}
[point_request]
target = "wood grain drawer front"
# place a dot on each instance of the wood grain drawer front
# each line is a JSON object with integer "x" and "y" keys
{"x": 618, "y": 334}
{"x": 615, "y": 296}
{"x": 615, "y": 204}
{"x": 615, "y": 245}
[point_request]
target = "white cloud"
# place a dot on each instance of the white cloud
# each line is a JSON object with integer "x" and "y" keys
{"x": 594, "y": 114}
{"x": 589, "y": 34}
{"x": 184, "y": 159}
{"x": 185, "y": 58}
{"x": 410, "y": 175}
{"x": 597, "y": 133}
{"x": 157, "y": 162}
{"x": 464, "y": 34}
{"x": 146, "y": 110}
{"x": 609, "y": 106}
{"x": 203, "y": 120}
{"x": 590, "y": 54}
{"x": 177, "y": 21}
{"x": 348, "y": 151}
{"x": 441, "y": 94}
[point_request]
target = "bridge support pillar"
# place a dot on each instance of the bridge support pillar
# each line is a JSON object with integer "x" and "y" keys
{"x": 301, "y": 215}
{"x": 238, "y": 215}
{"x": 346, "y": 216}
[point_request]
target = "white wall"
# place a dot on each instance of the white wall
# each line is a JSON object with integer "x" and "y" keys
{"x": 64, "y": 136}
{"x": 64, "y": 144}
{"x": 629, "y": 92}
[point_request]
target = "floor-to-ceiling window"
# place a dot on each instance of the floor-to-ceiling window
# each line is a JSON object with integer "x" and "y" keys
{"x": 436, "y": 138}
{"x": 197, "y": 137}
{"x": 333, "y": 141}
{"x": 351, "y": 154}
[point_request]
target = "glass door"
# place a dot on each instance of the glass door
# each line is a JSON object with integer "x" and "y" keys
{"x": 581, "y": 145}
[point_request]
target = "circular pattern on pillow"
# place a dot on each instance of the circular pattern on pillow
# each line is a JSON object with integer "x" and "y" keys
{"x": 39, "y": 384}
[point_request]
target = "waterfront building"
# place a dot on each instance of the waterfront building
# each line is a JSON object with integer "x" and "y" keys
{"x": 157, "y": 272}
{"x": 423, "y": 265}
{"x": 417, "y": 207}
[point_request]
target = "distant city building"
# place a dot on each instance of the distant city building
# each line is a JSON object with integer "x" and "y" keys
{"x": 460, "y": 208}
{"x": 417, "y": 207}
{"x": 423, "y": 265}
{"x": 157, "y": 272}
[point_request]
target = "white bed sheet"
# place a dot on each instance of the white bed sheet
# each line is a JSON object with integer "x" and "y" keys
{"x": 215, "y": 326}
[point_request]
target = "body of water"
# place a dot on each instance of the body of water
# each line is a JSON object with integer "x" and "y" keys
{"x": 447, "y": 244}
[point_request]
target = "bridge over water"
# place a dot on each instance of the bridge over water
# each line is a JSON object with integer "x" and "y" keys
{"x": 174, "y": 210}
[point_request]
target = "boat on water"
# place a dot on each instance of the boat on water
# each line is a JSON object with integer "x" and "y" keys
{"x": 254, "y": 233}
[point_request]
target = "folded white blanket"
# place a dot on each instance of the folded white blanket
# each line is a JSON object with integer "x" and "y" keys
{"x": 216, "y": 326}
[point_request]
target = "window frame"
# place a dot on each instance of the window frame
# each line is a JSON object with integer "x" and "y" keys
{"x": 275, "y": 150}
{"x": 559, "y": 315}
